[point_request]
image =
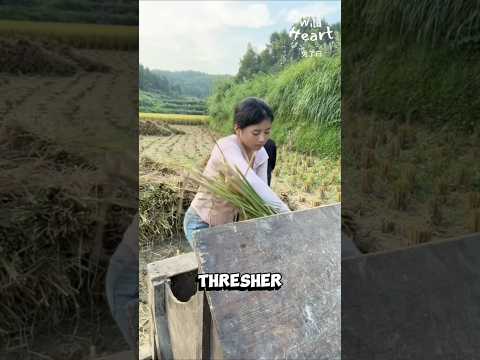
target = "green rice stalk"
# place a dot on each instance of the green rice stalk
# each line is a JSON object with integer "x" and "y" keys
{"x": 233, "y": 187}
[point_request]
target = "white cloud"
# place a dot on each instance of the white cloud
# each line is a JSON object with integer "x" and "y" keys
{"x": 174, "y": 33}
{"x": 234, "y": 14}
{"x": 208, "y": 15}
{"x": 320, "y": 10}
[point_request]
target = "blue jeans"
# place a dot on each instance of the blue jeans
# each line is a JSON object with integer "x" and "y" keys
{"x": 192, "y": 222}
{"x": 122, "y": 289}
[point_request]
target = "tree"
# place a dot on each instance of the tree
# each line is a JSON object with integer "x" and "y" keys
{"x": 149, "y": 81}
{"x": 266, "y": 60}
{"x": 249, "y": 65}
{"x": 283, "y": 49}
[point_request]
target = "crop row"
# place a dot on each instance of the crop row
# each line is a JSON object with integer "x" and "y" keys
{"x": 182, "y": 119}
{"x": 91, "y": 36}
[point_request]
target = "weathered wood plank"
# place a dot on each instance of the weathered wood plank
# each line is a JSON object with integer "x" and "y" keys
{"x": 165, "y": 269}
{"x": 144, "y": 353}
{"x": 185, "y": 322}
{"x": 418, "y": 303}
{"x": 161, "y": 347}
{"x": 302, "y": 319}
{"x": 151, "y": 320}
{"x": 160, "y": 275}
{"x": 216, "y": 351}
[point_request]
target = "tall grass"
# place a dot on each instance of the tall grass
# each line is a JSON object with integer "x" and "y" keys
{"x": 431, "y": 45}
{"x": 305, "y": 98}
{"x": 309, "y": 91}
{"x": 449, "y": 22}
{"x": 446, "y": 90}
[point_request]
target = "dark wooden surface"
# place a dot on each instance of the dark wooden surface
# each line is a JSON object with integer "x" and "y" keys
{"x": 419, "y": 303}
{"x": 302, "y": 319}
{"x": 162, "y": 274}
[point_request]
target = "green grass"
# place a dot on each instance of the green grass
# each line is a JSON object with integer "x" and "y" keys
{"x": 423, "y": 64}
{"x": 305, "y": 98}
{"x": 445, "y": 89}
{"x": 449, "y": 22}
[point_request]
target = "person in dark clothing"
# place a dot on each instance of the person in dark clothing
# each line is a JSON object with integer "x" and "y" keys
{"x": 271, "y": 149}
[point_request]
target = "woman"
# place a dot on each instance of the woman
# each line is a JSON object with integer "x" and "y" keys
{"x": 253, "y": 120}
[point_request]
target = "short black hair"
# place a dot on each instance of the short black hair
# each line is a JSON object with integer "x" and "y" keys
{"x": 251, "y": 111}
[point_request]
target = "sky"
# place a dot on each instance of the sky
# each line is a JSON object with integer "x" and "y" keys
{"x": 212, "y": 36}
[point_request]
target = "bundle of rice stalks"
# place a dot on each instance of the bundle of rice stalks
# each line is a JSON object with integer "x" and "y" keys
{"x": 49, "y": 229}
{"x": 44, "y": 57}
{"x": 149, "y": 165}
{"x": 173, "y": 130}
{"x": 161, "y": 212}
{"x": 48, "y": 237}
{"x": 231, "y": 185}
{"x": 26, "y": 57}
{"x": 153, "y": 129}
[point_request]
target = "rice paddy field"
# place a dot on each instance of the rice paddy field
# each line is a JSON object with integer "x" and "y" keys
{"x": 408, "y": 184}
{"x": 159, "y": 103}
{"x": 412, "y": 151}
{"x": 184, "y": 142}
{"x": 58, "y": 199}
{"x": 305, "y": 180}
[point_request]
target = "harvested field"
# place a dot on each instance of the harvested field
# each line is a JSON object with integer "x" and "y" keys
{"x": 423, "y": 188}
{"x": 66, "y": 206}
{"x": 302, "y": 180}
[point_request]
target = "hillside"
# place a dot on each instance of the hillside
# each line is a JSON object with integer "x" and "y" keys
{"x": 155, "y": 102}
{"x": 305, "y": 98}
{"x": 191, "y": 83}
{"x": 175, "y": 92}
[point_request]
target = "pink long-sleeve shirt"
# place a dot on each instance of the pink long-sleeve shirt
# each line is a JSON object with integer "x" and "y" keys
{"x": 215, "y": 211}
